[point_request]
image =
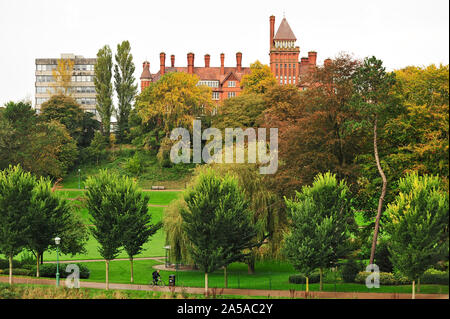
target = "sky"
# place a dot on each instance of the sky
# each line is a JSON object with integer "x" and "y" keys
{"x": 399, "y": 32}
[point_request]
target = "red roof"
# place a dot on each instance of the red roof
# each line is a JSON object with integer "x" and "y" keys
{"x": 284, "y": 32}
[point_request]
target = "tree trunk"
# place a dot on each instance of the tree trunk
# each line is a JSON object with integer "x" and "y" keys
{"x": 37, "y": 265}
{"x": 418, "y": 284}
{"x": 307, "y": 284}
{"x": 321, "y": 279}
{"x": 251, "y": 266}
{"x": 383, "y": 192}
{"x": 225, "y": 276}
{"x": 131, "y": 265}
{"x": 414, "y": 289}
{"x": 107, "y": 274}
{"x": 10, "y": 269}
{"x": 42, "y": 258}
{"x": 206, "y": 284}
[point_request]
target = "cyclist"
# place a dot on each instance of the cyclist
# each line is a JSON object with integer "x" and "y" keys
{"x": 156, "y": 277}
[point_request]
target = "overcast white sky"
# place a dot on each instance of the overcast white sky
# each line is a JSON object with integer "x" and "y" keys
{"x": 400, "y": 32}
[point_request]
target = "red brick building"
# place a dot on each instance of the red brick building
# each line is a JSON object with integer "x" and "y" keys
{"x": 284, "y": 55}
{"x": 225, "y": 81}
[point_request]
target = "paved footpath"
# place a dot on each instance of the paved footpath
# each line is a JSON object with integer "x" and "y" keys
{"x": 242, "y": 292}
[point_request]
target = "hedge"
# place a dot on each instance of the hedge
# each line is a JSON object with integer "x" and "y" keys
{"x": 49, "y": 270}
{"x": 300, "y": 279}
{"x": 386, "y": 278}
{"x": 4, "y": 263}
{"x": 17, "y": 272}
{"x": 431, "y": 276}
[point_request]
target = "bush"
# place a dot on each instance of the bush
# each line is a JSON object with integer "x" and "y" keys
{"x": 4, "y": 264}
{"x": 386, "y": 278}
{"x": 300, "y": 279}
{"x": 18, "y": 272}
{"x": 436, "y": 277}
{"x": 382, "y": 257}
{"x": 49, "y": 270}
{"x": 349, "y": 270}
{"x": 135, "y": 165}
{"x": 163, "y": 155}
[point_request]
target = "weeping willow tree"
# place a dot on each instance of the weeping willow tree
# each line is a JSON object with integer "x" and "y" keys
{"x": 175, "y": 236}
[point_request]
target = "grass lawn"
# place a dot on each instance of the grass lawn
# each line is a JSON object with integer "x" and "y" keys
{"x": 268, "y": 275}
{"x": 174, "y": 177}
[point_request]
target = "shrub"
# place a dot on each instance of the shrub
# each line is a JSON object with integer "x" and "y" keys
{"x": 386, "y": 278}
{"x": 163, "y": 155}
{"x": 4, "y": 264}
{"x": 9, "y": 292}
{"x": 49, "y": 270}
{"x": 18, "y": 272}
{"x": 135, "y": 165}
{"x": 382, "y": 257}
{"x": 349, "y": 270}
{"x": 300, "y": 279}
{"x": 433, "y": 276}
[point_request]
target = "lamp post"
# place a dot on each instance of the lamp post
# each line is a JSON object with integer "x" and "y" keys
{"x": 79, "y": 178}
{"x": 57, "y": 241}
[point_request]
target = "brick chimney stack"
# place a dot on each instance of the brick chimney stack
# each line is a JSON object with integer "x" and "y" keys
{"x": 162, "y": 63}
{"x": 312, "y": 57}
{"x": 272, "y": 30}
{"x": 239, "y": 61}
{"x": 172, "y": 60}
{"x": 222, "y": 61}
{"x": 207, "y": 59}
{"x": 190, "y": 59}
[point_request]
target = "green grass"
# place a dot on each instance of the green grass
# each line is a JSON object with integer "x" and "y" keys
{"x": 268, "y": 275}
{"x": 174, "y": 177}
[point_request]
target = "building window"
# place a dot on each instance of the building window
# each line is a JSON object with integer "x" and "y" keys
{"x": 213, "y": 84}
{"x": 215, "y": 95}
{"x": 231, "y": 94}
{"x": 231, "y": 84}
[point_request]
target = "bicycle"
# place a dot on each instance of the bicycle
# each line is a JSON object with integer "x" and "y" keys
{"x": 158, "y": 283}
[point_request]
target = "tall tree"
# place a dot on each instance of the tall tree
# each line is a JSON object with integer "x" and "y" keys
{"x": 63, "y": 76}
{"x": 16, "y": 187}
{"x": 137, "y": 230}
{"x": 322, "y": 222}
{"x": 174, "y": 101}
{"x": 373, "y": 84}
{"x": 217, "y": 222}
{"x": 316, "y": 131}
{"x": 104, "y": 192}
{"x": 418, "y": 225}
{"x": 103, "y": 87}
{"x": 52, "y": 216}
{"x": 125, "y": 86}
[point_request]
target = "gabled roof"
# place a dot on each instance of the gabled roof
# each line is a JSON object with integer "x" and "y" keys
{"x": 284, "y": 32}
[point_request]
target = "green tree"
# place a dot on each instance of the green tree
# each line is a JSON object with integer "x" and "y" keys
{"x": 418, "y": 225}
{"x": 175, "y": 100}
{"x": 242, "y": 111}
{"x": 260, "y": 79}
{"x": 98, "y": 146}
{"x": 217, "y": 222}
{"x": 103, "y": 87}
{"x": 321, "y": 224}
{"x": 65, "y": 110}
{"x": 16, "y": 187}
{"x": 104, "y": 192}
{"x": 125, "y": 86}
{"x": 136, "y": 220}
{"x": 52, "y": 216}
{"x": 372, "y": 85}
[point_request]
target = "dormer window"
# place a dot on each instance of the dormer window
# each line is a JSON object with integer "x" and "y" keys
{"x": 231, "y": 84}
